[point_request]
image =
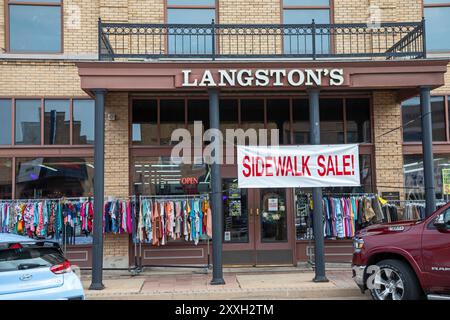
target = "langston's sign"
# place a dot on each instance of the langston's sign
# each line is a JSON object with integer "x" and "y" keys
{"x": 298, "y": 166}
{"x": 263, "y": 77}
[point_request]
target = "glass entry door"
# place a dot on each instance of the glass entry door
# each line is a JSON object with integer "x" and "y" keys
{"x": 273, "y": 227}
{"x": 258, "y": 226}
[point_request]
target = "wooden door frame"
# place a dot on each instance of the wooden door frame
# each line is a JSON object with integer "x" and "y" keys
{"x": 289, "y": 243}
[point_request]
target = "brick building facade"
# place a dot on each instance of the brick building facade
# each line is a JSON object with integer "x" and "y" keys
{"x": 25, "y": 75}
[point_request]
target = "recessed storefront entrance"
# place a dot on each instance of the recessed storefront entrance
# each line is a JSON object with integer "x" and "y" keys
{"x": 257, "y": 226}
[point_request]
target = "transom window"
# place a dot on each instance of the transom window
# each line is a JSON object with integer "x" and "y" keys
{"x": 342, "y": 120}
{"x": 437, "y": 17}
{"x": 35, "y": 26}
{"x": 412, "y": 121}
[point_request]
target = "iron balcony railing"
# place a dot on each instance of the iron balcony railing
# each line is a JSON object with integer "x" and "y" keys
{"x": 127, "y": 41}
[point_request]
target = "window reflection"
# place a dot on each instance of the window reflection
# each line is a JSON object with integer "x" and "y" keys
{"x": 414, "y": 175}
{"x": 28, "y": 122}
{"x": 172, "y": 117}
{"x": 235, "y": 211}
{"x": 57, "y": 122}
{"x": 296, "y": 41}
{"x": 437, "y": 26}
{"x": 6, "y": 116}
{"x": 54, "y": 177}
{"x": 83, "y": 121}
{"x": 273, "y": 215}
{"x": 35, "y": 28}
{"x": 145, "y": 122}
{"x": 162, "y": 176}
{"x": 5, "y": 178}
{"x": 358, "y": 120}
{"x": 199, "y": 42}
{"x": 412, "y": 124}
{"x": 331, "y": 121}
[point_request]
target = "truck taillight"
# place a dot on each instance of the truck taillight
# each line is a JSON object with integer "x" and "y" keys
{"x": 64, "y": 267}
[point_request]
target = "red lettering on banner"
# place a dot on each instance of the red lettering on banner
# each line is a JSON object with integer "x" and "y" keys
{"x": 279, "y": 166}
{"x": 289, "y": 167}
{"x": 353, "y": 165}
{"x": 321, "y": 163}
{"x": 346, "y": 164}
{"x": 247, "y": 169}
{"x": 297, "y": 173}
{"x": 336, "y": 165}
{"x": 330, "y": 166}
{"x": 305, "y": 167}
{"x": 269, "y": 166}
{"x": 259, "y": 173}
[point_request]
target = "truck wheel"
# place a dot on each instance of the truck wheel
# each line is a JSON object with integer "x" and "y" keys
{"x": 395, "y": 280}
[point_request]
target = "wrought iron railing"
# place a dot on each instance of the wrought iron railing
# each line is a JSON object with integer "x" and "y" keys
{"x": 125, "y": 41}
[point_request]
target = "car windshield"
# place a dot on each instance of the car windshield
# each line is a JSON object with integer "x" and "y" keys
{"x": 29, "y": 258}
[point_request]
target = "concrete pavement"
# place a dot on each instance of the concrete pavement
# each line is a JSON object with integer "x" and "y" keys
{"x": 192, "y": 285}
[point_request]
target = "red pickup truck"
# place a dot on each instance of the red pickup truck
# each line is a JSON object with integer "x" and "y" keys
{"x": 405, "y": 260}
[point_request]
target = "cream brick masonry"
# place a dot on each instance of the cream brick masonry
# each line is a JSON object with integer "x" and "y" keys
{"x": 388, "y": 142}
{"x": 39, "y": 78}
{"x": 116, "y": 172}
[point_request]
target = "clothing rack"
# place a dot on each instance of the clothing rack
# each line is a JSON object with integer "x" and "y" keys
{"x": 139, "y": 267}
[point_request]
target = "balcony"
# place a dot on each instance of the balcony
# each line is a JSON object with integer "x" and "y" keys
{"x": 150, "y": 42}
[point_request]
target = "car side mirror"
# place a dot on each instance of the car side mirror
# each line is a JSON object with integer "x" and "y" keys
{"x": 440, "y": 223}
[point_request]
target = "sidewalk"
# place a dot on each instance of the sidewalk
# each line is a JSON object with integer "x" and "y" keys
{"x": 192, "y": 285}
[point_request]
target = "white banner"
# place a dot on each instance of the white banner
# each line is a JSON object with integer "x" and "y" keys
{"x": 298, "y": 166}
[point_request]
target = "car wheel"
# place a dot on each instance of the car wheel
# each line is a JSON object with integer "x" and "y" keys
{"x": 395, "y": 280}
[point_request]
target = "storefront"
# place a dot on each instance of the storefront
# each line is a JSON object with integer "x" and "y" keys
{"x": 144, "y": 103}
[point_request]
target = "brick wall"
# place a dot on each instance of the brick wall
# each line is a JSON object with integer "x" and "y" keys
{"x": 116, "y": 172}
{"x": 39, "y": 78}
{"x": 388, "y": 146}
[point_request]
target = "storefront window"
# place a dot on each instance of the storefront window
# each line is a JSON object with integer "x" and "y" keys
{"x": 28, "y": 122}
{"x": 252, "y": 114}
{"x": 57, "y": 122}
{"x": 278, "y": 117}
{"x": 412, "y": 124}
{"x": 358, "y": 120}
{"x": 145, "y": 122}
{"x": 172, "y": 117}
{"x": 83, "y": 121}
{"x": 35, "y": 27}
{"x": 6, "y": 116}
{"x": 414, "y": 176}
{"x": 54, "y": 177}
{"x": 437, "y": 14}
{"x": 5, "y": 178}
{"x": 161, "y": 176}
{"x": 300, "y": 110}
{"x": 193, "y": 12}
{"x": 331, "y": 121}
{"x": 198, "y": 110}
{"x": 235, "y": 211}
{"x": 229, "y": 114}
